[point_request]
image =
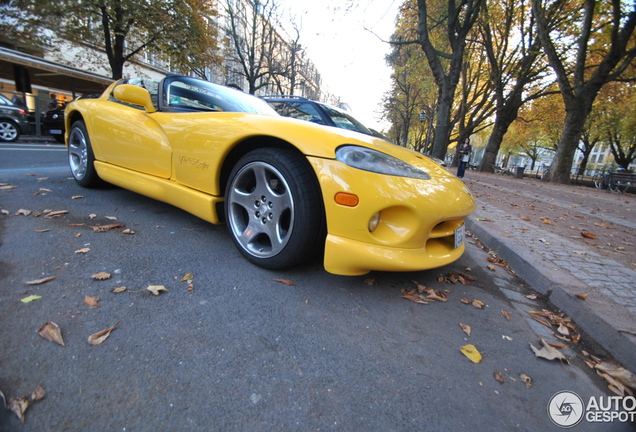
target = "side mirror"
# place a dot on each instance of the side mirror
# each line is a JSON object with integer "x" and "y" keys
{"x": 134, "y": 95}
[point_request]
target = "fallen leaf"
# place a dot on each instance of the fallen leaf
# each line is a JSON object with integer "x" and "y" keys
{"x": 55, "y": 214}
{"x": 188, "y": 277}
{"x": 471, "y": 352}
{"x": 41, "y": 281}
{"x": 506, "y": 314}
{"x": 51, "y": 331}
{"x": 91, "y": 301}
{"x": 101, "y": 276}
{"x": 156, "y": 289}
{"x": 548, "y": 352}
{"x": 111, "y": 218}
{"x": 30, "y": 298}
{"x": 104, "y": 228}
{"x": 617, "y": 372}
{"x": 77, "y": 197}
{"x": 506, "y": 337}
{"x": 38, "y": 394}
{"x": 466, "y": 328}
{"x": 127, "y": 231}
{"x": 285, "y": 281}
{"x": 498, "y": 376}
{"x": 42, "y": 230}
{"x": 370, "y": 281}
{"x": 92, "y": 216}
{"x": 581, "y": 296}
{"x": 7, "y": 186}
{"x": 563, "y": 330}
{"x": 19, "y": 406}
{"x": 532, "y": 296}
{"x": 588, "y": 235}
{"x": 118, "y": 290}
{"x": 526, "y": 379}
{"x": 465, "y": 301}
{"x": 99, "y": 337}
{"x": 23, "y": 212}
{"x": 478, "y": 304}
{"x": 491, "y": 267}
{"x": 525, "y": 218}
{"x": 415, "y": 297}
{"x": 82, "y": 251}
{"x": 546, "y": 221}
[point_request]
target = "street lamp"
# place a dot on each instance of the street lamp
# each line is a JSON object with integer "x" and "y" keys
{"x": 422, "y": 116}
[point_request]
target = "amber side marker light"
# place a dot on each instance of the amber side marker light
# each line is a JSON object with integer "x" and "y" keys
{"x": 346, "y": 199}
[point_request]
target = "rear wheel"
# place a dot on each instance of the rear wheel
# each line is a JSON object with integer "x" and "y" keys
{"x": 80, "y": 156}
{"x": 274, "y": 208}
{"x": 9, "y": 131}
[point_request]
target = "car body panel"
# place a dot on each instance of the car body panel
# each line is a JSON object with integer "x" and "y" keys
{"x": 415, "y": 231}
{"x": 180, "y": 157}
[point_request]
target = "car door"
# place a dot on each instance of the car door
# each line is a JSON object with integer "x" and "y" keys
{"x": 130, "y": 137}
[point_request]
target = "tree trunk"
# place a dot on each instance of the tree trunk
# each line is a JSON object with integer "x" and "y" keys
{"x": 568, "y": 143}
{"x": 502, "y": 123}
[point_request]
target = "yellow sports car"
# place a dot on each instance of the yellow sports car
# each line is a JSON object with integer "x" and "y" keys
{"x": 287, "y": 189}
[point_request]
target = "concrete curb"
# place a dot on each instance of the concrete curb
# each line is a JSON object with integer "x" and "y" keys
{"x": 559, "y": 287}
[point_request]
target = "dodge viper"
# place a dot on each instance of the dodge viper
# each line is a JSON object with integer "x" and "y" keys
{"x": 286, "y": 189}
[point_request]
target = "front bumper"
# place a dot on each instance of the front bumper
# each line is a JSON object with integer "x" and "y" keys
{"x": 418, "y": 219}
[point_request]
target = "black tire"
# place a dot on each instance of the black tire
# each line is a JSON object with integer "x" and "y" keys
{"x": 81, "y": 158}
{"x": 9, "y": 131}
{"x": 274, "y": 209}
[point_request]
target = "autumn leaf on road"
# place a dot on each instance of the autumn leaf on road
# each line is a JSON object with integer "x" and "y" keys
{"x": 104, "y": 228}
{"x": 506, "y": 314}
{"x": 51, "y": 331}
{"x": 118, "y": 290}
{"x": 588, "y": 235}
{"x": 498, "y": 376}
{"x": 19, "y": 406}
{"x": 478, "y": 304}
{"x": 83, "y": 251}
{"x": 54, "y": 214}
{"x": 30, "y": 298}
{"x": 188, "y": 277}
{"x": 99, "y": 337}
{"x": 526, "y": 379}
{"x": 41, "y": 281}
{"x": 156, "y": 289}
{"x": 101, "y": 276}
{"x": 23, "y": 212}
{"x": 548, "y": 352}
{"x": 414, "y": 296}
{"x": 581, "y": 296}
{"x": 285, "y": 281}
{"x": 471, "y": 352}
{"x": 91, "y": 301}
{"x": 466, "y": 328}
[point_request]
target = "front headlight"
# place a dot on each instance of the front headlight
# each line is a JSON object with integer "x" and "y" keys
{"x": 377, "y": 162}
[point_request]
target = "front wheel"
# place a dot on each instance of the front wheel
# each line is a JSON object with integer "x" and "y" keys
{"x": 274, "y": 208}
{"x": 9, "y": 131}
{"x": 80, "y": 156}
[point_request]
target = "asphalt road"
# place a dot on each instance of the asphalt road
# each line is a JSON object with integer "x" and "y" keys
{"x": 242, "y": 351}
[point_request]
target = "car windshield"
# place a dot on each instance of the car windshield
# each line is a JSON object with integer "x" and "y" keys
{"x": 198, "y": 95}
{"x": 344, "y": 120}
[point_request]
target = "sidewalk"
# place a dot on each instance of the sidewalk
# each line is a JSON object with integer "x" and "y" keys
{"x": 566, "y": 240}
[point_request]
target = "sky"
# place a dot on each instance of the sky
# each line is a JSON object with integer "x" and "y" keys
{"x": 344, "y": 40}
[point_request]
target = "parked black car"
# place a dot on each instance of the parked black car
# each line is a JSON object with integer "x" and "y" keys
{"x": 14, "y": 120}
{"x": 53, "y": 120}
{"x": 316, "y": 112}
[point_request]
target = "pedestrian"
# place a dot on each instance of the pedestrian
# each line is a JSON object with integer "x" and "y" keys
{"x": 464, "y": 151}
